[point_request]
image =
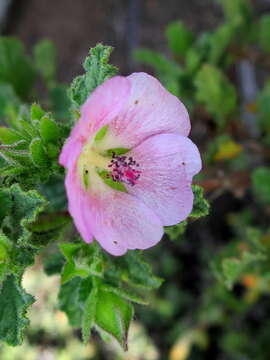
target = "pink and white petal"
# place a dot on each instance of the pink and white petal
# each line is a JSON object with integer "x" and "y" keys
{"x": 167, "y": 162}
{"x": 117, "y": 220}
{"x": 70, "y": 152}
{"x": 121, "y": 222}
{"x": 149, "y": 110}
{"x": 101, "y": 107}
{"x": 77, "y": 201}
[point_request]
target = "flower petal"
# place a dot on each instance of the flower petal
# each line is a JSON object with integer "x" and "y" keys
{"x": 121, "y": 222}
{"x": 168, "y": 162}
{"x": 117, "y": 220}
{"x": 149, "y": 110}
{"x": 99, "y": 109}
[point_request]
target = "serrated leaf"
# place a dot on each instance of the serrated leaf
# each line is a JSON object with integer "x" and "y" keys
{"x": 49, "y": 130}
{"x": 15, "y": 67}
{"x": 113, "y": 315}
{"x": 38, "y": 155}
{"x": 200, "y": 204}
{"x": 25, "y": 208}
{"x": 179, "y": 38}
{"x": 97, "y": 70}
{"x": 73, "y": 268}
{"x": 137, "y": 272}
{"x": 69, "y": 301}
{"x": 14, "y": 302}
{"x": 89, "y": 314}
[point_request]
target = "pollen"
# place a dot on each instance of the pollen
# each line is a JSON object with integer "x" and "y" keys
{"x": 124, "y": 169}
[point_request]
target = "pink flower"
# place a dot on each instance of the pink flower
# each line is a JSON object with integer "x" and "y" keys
{"x": 129, "y": 164}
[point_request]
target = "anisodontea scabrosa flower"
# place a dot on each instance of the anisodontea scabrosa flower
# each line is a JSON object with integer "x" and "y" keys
{"x": 129, "y": 164}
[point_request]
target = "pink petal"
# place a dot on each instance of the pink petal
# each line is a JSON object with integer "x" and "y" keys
{"x": 99, "y": 109}
{"x": 76, "y": 204}
{"x": 168, "y": 162}
{"x": 70, "y": 152}
{"x": 149, "y": 110}
{"x": 121, "y": 222}
{"x": 117, "y": 220}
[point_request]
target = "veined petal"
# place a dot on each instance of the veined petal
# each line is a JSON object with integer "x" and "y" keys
{"x": 121, "y": 222}
{"x": 117, "y": 220}
{"x": 100, "y": 108}
{"x": 167, "y": 164}
{"x": 149, "y": 110}
{"x": 77, "y": 201}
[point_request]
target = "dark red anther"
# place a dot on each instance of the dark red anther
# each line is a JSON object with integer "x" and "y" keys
{"x": 123, "y": 169}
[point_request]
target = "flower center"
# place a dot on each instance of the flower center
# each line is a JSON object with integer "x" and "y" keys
{"x": 124, "y": 169}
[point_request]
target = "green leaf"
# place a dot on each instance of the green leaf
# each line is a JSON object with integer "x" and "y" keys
{"x": 116, "y": 185}
{"x": 159, "y": 62}
{"x": 38, "y": 155}
{"x": 264, "y": 33}
{"x": 60, "y": 102}
{"x": 9, "y": 136}
{"x": 126, "y": 294}
{"x": 9, "y": 101}
{"x": 239, "y": 10}
{"x": 69, "y": 301}
{"x": 6, "y": 204}
{"x": 89, "y": 313}
{"x": 54, "y": 264}
{"x": 5, "y": 246}
{"x": 73, "y": 267}
{"x": 14, "y": 302}
{"x": 113, "y": 315}
{"x": 45, "y": 59}
{"x": 215, "y": 91}
{"x": 137, "y": 272}
{"x": 15, "y": 67}
{"x": 179, "y": 38}
{"x": 263, "y": 104}
{"x": 101, "y": 133}
{"x": 97, "y": 70}
{"x": 220, "y": 41}
{"x": 49, "y": 130}
{"x": 233, "y": 268}
{"x": 25, "y": 208}
{"x": 36, "y": 112}
{"x": 261, "y": 184}
{"x": 200, "y": 204}
{"x": 175, "y": 232}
